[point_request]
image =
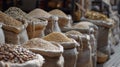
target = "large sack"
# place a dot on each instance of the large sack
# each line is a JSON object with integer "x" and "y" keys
{"x": 33, "y": 63}
{"x": 103, "y": 31}
{"x": 69, "y": 47}
{"x": 85, "y": 58}
{"x": 16, "y": 56}
{"x": 15, "y": 31}
{"x": 70, "y": 57}
{"x": 2, "y": 36}
{"x": 52, "y": 52}
{"x": 70, "y": 53}
{"x": 82, "y": 40}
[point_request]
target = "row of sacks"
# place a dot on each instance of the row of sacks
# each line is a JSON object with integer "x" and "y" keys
{"x": 56, "y": 52}
{"x": 15, "y": 33}
{"x": 95, "y": 43}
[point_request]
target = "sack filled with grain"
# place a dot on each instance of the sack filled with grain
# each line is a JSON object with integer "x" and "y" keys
{"x": 35, "y": 26}
{"x": 116, "y": 28}
{"x": 2, "y": 36}
{"x": 63, "y": 19}
{"x": 41, "y": 14}
{"x": 85, "y": 52}
{"x": 103, "y": 31}
{"x": 82, "y": 40}
{"x": 51, "y": 51}
{"x": 69, "y": 45}
{"x": 17, "y": 56}
{"x": 15, "y": 31}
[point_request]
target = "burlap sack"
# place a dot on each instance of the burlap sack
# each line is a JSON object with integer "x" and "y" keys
{"x": 38, "y": 62}
{"x": 102, "y": 39}
{"x": 70, "y": 54}
{"x": 116, "y": 29}
{"x": 35, "y": 29}
{"x": 2, "y": 37}
{"x": 53, "y": 58}
{"x": 15, "y": 35}
{"x": 81, "y": 39}
{"x": 63, "y": 19}
{"x": 85, "y": 58}
{"x": 54, "y": 61}
{"x": 70, "y": 57}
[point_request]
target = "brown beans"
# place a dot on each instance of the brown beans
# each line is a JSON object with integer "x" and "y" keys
{"x": 15, "y": 55}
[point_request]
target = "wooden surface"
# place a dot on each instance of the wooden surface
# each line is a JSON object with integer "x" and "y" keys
{"x": 114, "y": 60}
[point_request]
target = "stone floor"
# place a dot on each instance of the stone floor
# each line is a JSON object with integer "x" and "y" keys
{"x": 114, "y": 60}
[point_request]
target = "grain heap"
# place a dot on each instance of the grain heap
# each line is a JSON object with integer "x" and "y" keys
{"x": 15, "y": 54}
{"x": 57, "y": 37}
{"x": 41, "y": 44}
{"x": 19, "y": 14}
{"x": 9, "y": 20}
{"x": 95, "y": 15}
{"x": 15, "y": 12}
{"x": 73, "y": 32}
{"x": 58, "y": 13}
{"x": 39, "y": 13}
{"x": 83, "y": 25}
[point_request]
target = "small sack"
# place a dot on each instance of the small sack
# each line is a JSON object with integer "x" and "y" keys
{"x": 2, "y": 37}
